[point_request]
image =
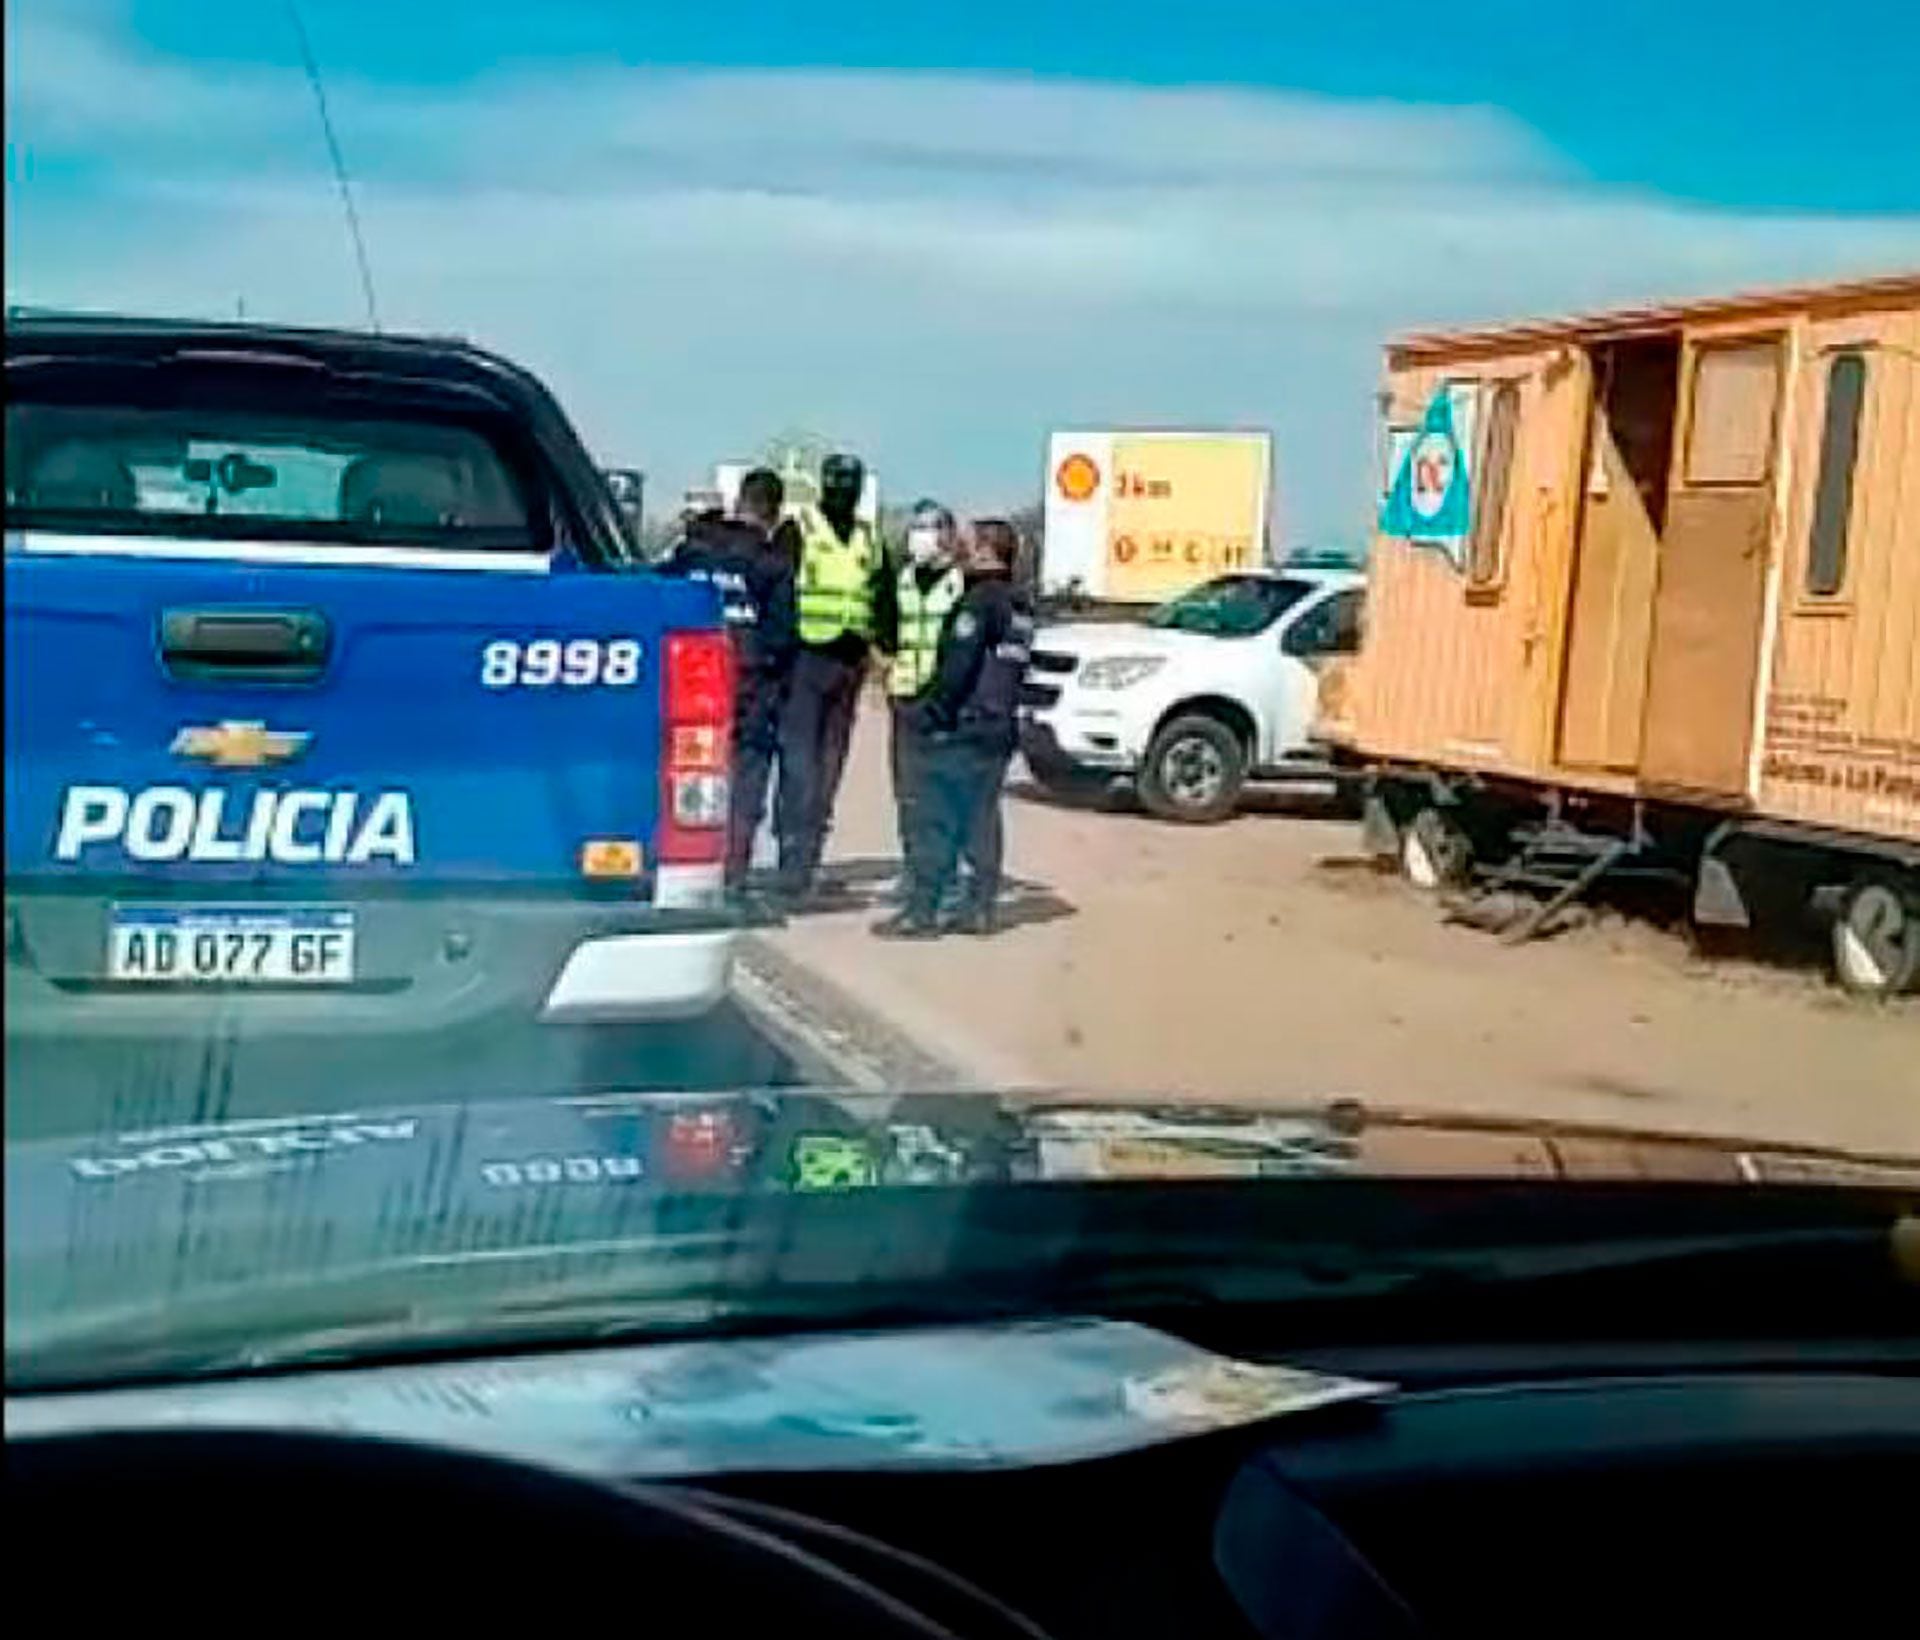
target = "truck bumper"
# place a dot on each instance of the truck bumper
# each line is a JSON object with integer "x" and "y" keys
{"x": 1058, "y": 744}
{"x": 435, "y": 967}
{"x": 652, "y": 976}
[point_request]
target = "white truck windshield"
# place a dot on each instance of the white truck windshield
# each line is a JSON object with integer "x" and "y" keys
{"x": 1234, "y": 606}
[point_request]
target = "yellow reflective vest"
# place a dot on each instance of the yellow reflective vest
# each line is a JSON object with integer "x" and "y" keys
{"x": 835, "y": 591}
{"x": 923, "y": 616}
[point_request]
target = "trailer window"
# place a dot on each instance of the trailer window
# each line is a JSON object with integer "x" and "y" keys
{"x": 1730, "y": 423}
{"x": 1833, "y": 496}
{"x": 1494, "y": 464}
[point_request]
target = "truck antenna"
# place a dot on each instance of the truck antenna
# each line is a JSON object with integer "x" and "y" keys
{"x": 312, "y": 66}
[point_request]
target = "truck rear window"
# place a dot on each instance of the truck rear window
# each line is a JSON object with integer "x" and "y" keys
{"x": 238, "y": 472}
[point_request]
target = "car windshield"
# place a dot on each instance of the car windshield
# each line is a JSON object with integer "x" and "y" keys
{"x": 1235, "y": 606}
{"x": 708, "y": 670}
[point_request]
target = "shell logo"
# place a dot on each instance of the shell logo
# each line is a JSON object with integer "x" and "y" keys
{"x": 1078, "y": 477}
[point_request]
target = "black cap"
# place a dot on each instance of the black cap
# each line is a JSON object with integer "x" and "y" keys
{"x": 841, "y": 471}
{"x": 763, "y": 489}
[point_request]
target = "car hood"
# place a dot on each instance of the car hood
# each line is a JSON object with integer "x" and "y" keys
{"x": 1088, "y": 639}
{"x": 311, "y": 1235}
{"x": 587, "y": 1166}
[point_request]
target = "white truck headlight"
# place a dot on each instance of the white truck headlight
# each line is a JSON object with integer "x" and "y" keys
{"x": 1119, "y": 671}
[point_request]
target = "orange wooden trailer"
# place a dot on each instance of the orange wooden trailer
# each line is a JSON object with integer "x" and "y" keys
{"x": 1680, "y": 632}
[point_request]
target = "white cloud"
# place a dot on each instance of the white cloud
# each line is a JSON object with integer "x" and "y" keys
{"x": 936, "y": 268}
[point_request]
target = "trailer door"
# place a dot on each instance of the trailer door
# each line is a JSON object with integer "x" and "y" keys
{"x": 1710, "y": 604}
{"x": 1617, "y": 561}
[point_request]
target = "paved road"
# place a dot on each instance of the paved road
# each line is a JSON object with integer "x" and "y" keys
{"x": 91, "y": 1087}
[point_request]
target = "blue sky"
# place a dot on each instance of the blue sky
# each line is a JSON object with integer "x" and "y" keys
{"x": 936, "y": 236}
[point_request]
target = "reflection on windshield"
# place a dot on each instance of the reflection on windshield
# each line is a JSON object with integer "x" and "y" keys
{"x": 427, "y": 840}
{"x": 1235, "y": 606}
{"x": 284, "y": 1241}
{"x": 284, "y": 1230}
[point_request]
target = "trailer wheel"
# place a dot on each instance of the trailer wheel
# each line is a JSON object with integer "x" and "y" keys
{"x": 1876, "y": 938}
{"x": 1435, "y": 852}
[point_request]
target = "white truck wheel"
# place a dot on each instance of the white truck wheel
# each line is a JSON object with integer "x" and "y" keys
{"x": 1435, "y": 854}
{"x": 1876, "y": 939}
{"x": 1193, "y": 771}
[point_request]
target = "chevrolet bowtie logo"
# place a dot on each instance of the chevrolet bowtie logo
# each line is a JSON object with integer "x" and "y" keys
{"x": 239, "y": 745}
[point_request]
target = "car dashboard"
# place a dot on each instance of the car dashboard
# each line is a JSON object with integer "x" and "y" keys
{"x": 1527, "y": 1497}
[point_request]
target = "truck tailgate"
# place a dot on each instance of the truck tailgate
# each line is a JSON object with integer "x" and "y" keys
{"x": 302, "y": 736}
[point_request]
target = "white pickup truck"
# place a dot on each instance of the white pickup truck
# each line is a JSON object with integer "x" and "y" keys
{"x": 1194, "y": 700}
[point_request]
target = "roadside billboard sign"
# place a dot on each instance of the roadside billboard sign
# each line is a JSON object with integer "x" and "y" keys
{"x": 1136, "y": 517}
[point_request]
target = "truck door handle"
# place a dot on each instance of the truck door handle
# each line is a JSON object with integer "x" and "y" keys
{"x": 245, "y": 645}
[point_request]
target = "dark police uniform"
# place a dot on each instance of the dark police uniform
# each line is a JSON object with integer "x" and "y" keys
{"x": 755, "y": 581}
{"x": 968, "y": 712}
{"x": 837, "y": 580}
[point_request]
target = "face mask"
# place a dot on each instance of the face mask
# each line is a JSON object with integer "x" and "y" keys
{"x": 926, "y": 547}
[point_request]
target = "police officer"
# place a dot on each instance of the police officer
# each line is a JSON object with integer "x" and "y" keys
{"x": 910, "y": 615}
{"x": 754, "y": 578}
{"x": 996, "y": 555}
{"x": 968, "y": 716}
{"x": 840, "y": 571}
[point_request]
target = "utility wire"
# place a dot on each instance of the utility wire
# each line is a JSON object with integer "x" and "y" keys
{"x": 312, "y": 66}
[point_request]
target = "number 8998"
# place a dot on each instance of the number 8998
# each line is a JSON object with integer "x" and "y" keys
{"x": 560, "y": 663}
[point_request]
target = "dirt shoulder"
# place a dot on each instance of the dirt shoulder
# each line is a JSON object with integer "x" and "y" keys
{"x": 1258, "y": 959}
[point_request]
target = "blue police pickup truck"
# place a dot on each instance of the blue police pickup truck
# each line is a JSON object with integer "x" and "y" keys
{"x": 336, "y": 699}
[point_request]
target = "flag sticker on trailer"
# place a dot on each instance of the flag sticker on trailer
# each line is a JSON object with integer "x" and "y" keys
{"x": 1430, "y": 501}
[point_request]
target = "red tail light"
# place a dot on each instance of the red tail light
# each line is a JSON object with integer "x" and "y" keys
{"x": 702, "y": 1144}
{"x": 696, "y": 747}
